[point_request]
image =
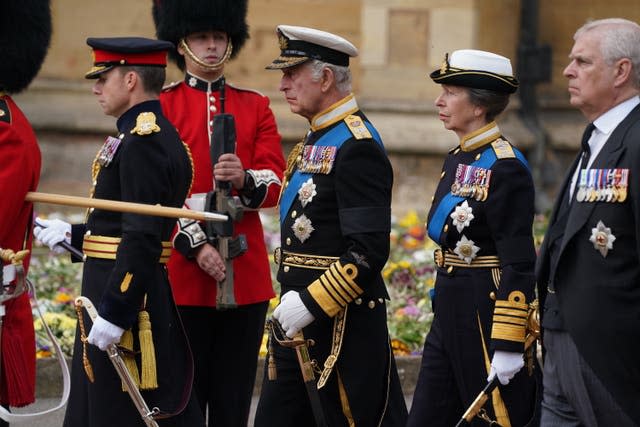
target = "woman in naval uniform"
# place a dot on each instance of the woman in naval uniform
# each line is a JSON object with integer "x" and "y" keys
{"x": 481, "y": 217}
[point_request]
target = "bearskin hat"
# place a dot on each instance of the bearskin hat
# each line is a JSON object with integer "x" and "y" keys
{"x": 176, "y": 19}
{"x": 25, "y": 33}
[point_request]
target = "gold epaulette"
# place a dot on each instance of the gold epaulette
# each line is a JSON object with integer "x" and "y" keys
{"x": 336, "y": 288}
{"x": 145, "y": 124}
{"x": 510, "y": 318}
{"x": 357, "y": 127}
{"x": 503, "y": 149}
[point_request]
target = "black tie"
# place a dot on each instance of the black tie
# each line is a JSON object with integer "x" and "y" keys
{"x": 585, "y": 153}
{"x": 586, "y": 150}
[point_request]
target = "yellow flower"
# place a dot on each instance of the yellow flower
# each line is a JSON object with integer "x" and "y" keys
{"x": 410, "y": 219}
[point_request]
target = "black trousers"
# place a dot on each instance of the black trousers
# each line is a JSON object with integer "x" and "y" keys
{"x": 225, "y": 346}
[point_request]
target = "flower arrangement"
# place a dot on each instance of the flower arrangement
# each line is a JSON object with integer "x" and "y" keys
{"x": 409, "y": 275}
{"x": 56, "y": 281}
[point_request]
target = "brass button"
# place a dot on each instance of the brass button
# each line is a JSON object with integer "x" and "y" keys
{"x": 371, "y": 304}
{"x": 442, "y": 174}
{"x": 358, "y": 301}
{"x": 450, "y": 269}
{"x": 456, "y": 151}
{"x": 286, "y": 268}
{"x": 294, "y": 214}
{"x": 492, "y": 295}
{"x": 87, "y": 233}
{"x": 478, "y": 156}
{"x": 446, "y": 228}
{"x": 212, "y": 98}
{"x": 91, "y": 209}
{"x": 288, "y": 240}
{"x": 380, "y": 300}
{"x": 433, "y": 197}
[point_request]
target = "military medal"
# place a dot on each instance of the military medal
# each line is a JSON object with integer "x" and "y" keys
{"x": 302, "y": 228}
{"x": 317, "y": 159}
{"x": 471, "y": 181}
{"x": 462, "y": 216}
{"x": 602, "y": 238}
{"x": 582, "y": 186}
{"x": 306, "y": 192}
{"x": 466, "y": 250}
{"x": 108, "y": 151}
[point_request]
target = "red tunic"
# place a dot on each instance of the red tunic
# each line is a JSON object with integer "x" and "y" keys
{"x": 19, "y": 173}
{"x": 191, "y": 110}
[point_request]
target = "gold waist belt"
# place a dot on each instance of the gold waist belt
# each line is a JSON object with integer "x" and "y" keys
{"x": 446, "y": 259}
{"x": 303, "y": 260}
{"x": 105, "y": 247}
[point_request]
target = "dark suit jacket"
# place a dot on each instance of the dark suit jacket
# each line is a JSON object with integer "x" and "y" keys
{"x": 599, "y": 297}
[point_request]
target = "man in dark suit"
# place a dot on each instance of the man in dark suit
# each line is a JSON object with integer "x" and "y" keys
{"x": 588, "y": 268}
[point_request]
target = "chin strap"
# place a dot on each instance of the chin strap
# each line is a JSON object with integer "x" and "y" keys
{"x": 207, "y": 67}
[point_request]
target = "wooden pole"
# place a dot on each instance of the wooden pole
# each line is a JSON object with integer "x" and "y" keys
{"x": 119, "y": 206}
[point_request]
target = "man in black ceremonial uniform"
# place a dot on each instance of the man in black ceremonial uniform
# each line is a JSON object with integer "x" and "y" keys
{"x": 124, "y": 272}
{"x": 335, "y": 223}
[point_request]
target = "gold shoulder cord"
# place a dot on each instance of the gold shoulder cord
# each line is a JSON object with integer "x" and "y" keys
{"x": 292, "y": 160}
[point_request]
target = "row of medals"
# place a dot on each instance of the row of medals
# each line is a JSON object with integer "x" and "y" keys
{"x": 602, "y": 185}
{"x": 471, "y": 181}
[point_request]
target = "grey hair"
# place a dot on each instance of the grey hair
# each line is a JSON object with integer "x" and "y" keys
{"x": 619, "y": 38}
{"x": 494, "y": 102}
{"x": 341, "y": 74}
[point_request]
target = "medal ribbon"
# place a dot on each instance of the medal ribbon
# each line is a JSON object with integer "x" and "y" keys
{"x": 333, "y": 138}
{"x": 449, "y": 201}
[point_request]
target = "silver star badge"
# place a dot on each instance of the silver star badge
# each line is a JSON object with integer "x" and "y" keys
{"x": 466, "y": 250}
{"x": 302, "y": 228}
{"x": 462, "y": 216}
{"x": 306, "y": 192}
{"x": 193, "y": 82}
{"x": 602, "y": 238}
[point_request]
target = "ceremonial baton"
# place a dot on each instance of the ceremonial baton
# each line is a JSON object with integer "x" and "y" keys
{"x": 301, "y": 346}
{"x": 67, "y": 246}
{"x": 116, "y": 358}
{"x": 119, "y": 206}
{"x": 533, "y": 332}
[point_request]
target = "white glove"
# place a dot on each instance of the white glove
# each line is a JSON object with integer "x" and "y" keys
{"x": 505, "y": 364}
{"x": 104, "y": 333}
{"x": 51, "y": 232}
{"x": 292, "y": 314}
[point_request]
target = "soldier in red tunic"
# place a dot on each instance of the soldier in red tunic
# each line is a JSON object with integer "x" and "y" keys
{"x": 225, "y": 343}
{"x": 25, "y": 32}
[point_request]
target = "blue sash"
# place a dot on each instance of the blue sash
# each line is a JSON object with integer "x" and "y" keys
{"x": 449, "y": 201}
{"x": 333, "y": 138}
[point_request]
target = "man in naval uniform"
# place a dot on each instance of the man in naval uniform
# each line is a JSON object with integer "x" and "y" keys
{"x": 588, "y": 269}
{"x": 124, "y": 273}
{"x": 335, "y": 223}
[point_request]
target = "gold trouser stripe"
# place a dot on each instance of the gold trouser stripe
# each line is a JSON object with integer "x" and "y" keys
{"x": 499, "y": 408}
{"x": 488, "y": 261}
{"x": 344, "y": 401}
{"x": 106, "y": 247}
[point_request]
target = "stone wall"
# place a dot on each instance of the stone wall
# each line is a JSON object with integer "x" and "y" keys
{"x": 400, "y": 42}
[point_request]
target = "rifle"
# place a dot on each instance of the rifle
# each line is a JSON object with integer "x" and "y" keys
{"x": 220, "y": 200}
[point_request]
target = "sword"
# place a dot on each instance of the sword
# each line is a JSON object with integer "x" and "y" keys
{"x": 533, "y": 333}
{"x": 301, "y": 346}
{"x": 116, "y": 358}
